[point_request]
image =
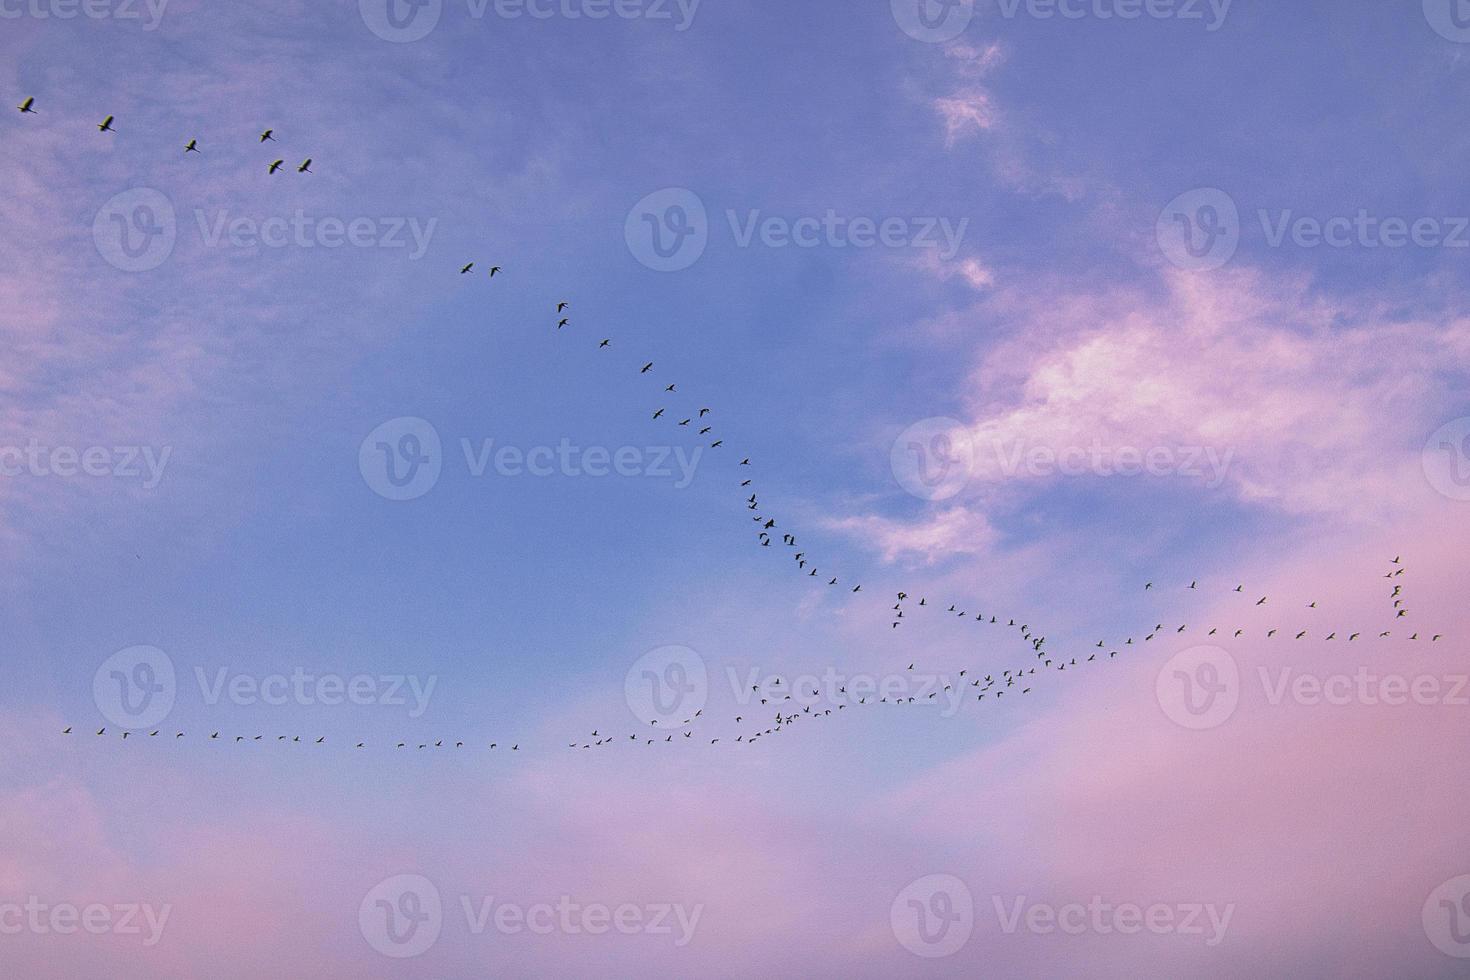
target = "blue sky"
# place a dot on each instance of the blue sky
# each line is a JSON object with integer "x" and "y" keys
{"x": 1050, "y": 147}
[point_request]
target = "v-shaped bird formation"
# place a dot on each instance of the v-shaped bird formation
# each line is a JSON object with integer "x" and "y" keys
{"x": 782, "y": 708}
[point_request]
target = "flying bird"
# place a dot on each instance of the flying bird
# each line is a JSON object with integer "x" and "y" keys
{"x": 277, "y": 165}
{"x": 25, "y": 106}
{"x": 269, "y": 134}
{"x": 305, "y": 167}
{"x": 192, "y": 146}
{"x": 105, "y": 126}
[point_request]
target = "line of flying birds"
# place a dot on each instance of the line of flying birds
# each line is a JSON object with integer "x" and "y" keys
{"x": 106, "y": 126}
{"x": 995, "y": 684}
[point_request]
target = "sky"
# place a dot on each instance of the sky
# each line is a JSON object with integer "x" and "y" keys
{"x": 1105, "y": 317}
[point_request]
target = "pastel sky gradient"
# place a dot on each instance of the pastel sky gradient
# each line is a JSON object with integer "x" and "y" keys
{"x": 1328, "y": 382}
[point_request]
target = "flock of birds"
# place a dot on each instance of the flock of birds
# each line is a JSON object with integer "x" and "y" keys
{"x": 778, "y": 715}
{"x": 28, "y": 107}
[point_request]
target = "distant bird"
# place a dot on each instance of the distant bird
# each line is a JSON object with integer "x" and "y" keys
{"x": 192, "y": 146}
{"x": 105, "y": 126}
{"x": 562, "y": 306}
{"x": 467, "y": 269}
{"x": 25, "y": 106}
{"x": 277, "y": 165}
{"x": 605, "y": 343}
{"x": 564, "y": 322}
{"x": 305, "y": 167}
{"x": 68, "y": 730}
{"x": 646, "y": 368}
{"x": 269, "y": 134}
{"x": 494, "y": 269}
